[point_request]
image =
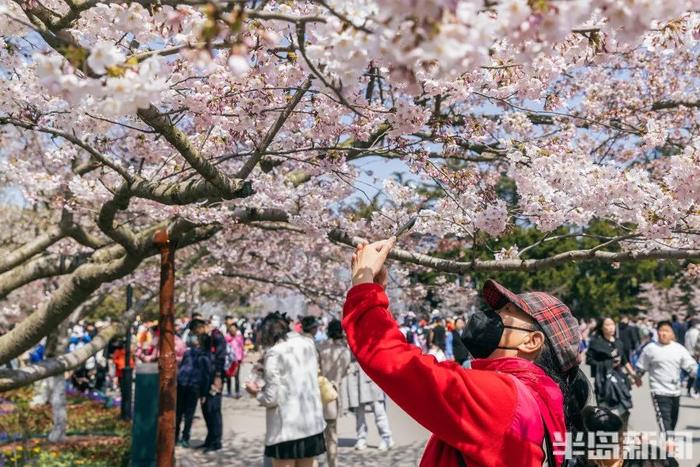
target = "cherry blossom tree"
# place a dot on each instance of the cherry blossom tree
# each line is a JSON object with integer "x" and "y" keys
{"x": 242, "y": 127}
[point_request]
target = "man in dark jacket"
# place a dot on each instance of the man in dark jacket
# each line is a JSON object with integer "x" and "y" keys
{"x": 629, "y": 335}
{"x": 211, "y": 408}
{"x": 193, "y": 382}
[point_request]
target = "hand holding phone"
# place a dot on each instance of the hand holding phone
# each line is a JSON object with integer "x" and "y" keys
{"x": 368, "y": 260}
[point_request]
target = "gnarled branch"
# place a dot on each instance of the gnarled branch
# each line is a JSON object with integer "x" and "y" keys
{"x": 39, "y": 268}
{"x": 229, "y": 188}
{"x": 252, "y": 161}
{"x": 119, "y": 233}
{"x": 29, "y": 249}
{"x": 87, "y": 278}
{"x": 182, "y": 193}
{"x": 478, "y": 265}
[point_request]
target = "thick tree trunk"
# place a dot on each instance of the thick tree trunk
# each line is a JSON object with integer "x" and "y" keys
{"x": 56, "y": 341}
{"x": 59, "y": 412}
{"x": 166, "y": 362}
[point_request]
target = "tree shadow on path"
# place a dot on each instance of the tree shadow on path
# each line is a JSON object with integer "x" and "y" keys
{"x": 248, "y": 452}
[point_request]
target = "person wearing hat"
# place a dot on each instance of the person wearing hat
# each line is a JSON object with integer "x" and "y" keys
{"x": 524, "y": 390}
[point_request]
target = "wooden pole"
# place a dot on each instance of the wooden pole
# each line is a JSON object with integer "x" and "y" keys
{"x": 167, "y": 364}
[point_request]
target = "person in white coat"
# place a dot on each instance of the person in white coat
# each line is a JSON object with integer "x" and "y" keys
{"x": 362, "y": 395}
{"x": 291, "y": 395}
{"x": 692, "y": 344}
{"x": 334, "y": 356}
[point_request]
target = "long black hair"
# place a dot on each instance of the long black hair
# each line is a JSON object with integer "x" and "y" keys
{"x": 573, "y": 384}
{"x": 273, "y": 328}
{"x": 600, "y": 323}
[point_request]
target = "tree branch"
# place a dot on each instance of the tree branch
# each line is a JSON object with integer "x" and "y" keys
{"x": 183, "y": 193}
{"x": 272, "y": 132}
{"x": 460, "y": 267}
{"x": 115, "y": 263}
{"x": 229, "y": 188}
{"x": 76, "y": 8}
{"x": 172, "y": 194}
{"x": 301, "y": 39}
{"x": 663, "y": 105}
{"x": 71, "y": 138}
{"x": 29, "y": 249}
{"x": 247, "y": 215}
{"x": 39, "y": 268}
{"x": 120, "y": 234}
{"x": 12, "y": 379}
{"x": 285, "y": 284}
{"x": 85, "y": 238}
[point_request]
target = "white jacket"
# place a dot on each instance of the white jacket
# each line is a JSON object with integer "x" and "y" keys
{"x": 691, "y": 340}
{"x": 291, "y": 393}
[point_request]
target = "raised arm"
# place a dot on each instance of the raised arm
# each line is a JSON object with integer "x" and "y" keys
{"x": 465, "y": 408}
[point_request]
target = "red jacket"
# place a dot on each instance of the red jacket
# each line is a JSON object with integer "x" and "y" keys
{"x": 491, "y": 414}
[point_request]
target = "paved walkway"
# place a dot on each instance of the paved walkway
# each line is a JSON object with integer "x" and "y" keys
{"x": 244, "y": 432}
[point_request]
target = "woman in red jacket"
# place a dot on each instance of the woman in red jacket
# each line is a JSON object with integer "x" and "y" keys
{"x": 522, "y": 393}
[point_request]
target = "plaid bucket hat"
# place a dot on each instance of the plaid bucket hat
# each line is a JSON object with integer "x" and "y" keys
{"x": 555, "y": 318}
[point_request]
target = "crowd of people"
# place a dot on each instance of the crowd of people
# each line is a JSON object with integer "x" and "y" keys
{"x": 620, "y": 353}
{"x": 528, "y": 347}
{"x": 301, "y": 423}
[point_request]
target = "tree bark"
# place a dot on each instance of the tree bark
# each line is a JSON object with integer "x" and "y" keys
{"x": 517, "y": 264}
{"x": 167, "y": 363}
{"x": 26, "y": 251}
{"x": 59, "y": 412}
{"x": 57, "y": 392}
{"x": 39, "y": 268}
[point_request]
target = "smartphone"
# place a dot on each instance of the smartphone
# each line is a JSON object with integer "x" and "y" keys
{"x": 406, "y": 227}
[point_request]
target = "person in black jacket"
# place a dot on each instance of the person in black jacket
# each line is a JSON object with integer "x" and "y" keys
{"x": 193, "y": 380}
{"x": 629, "y": 335}
{"x": 679, "y": 328}
{"x": 211, "y": 408}
{"x": 608, "y": 362}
